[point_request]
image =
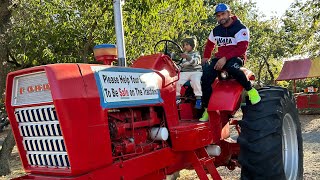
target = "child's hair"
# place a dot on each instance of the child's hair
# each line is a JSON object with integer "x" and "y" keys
{"x": 192, "y": 41}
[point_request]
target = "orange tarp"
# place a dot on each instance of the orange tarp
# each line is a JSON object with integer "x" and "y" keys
{"x": 315, "y": 68}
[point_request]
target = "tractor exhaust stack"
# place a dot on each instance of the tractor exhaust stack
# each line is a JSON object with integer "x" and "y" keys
{"x": 118, "y": 20}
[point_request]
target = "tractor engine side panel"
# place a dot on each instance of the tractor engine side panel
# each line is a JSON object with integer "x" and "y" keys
{"x": 82, "y": 119}
{"x": 46, "y": 132}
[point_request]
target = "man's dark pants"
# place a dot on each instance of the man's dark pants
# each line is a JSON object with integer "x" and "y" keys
{"x": 232, "y": 66}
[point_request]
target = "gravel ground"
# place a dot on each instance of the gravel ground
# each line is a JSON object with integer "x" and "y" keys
{"x": 311, "y": 144}
{"x": 310, "y": 125}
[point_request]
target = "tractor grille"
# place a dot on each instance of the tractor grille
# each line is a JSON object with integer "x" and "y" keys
{"x": 42, "y": 136}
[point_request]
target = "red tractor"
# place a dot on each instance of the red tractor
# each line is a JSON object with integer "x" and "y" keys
{"x": 85, "y": 121}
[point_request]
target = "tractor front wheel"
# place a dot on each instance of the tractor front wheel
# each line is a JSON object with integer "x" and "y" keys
{"x": 270, "y": 139}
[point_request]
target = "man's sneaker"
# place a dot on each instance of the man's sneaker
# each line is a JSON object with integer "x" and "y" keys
{"x": 198, "y": 104}
{"x": 205, "y": 116}
{"x": 254, "y": 96}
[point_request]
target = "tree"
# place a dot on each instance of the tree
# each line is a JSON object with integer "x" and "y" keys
{"x": 5, "y": 14}
{"x": 267, "y": 47}
{"x": 302, "y": 27}
{"x": 5, "y": 152}
{"x": 66, "y": 31}
{"x": 60, "y": 31}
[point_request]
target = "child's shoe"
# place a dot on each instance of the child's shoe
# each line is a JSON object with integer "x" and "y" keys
{"x": 254, "y": 96}
{"x": 198, "y": 104}
{"x": 205, "y": 116}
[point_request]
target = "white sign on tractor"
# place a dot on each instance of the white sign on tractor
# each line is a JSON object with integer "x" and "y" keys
{"x": 135, "y": 88}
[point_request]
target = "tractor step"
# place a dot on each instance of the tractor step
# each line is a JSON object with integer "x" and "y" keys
{"x": 203, "y": 163}
{"x": 205, "y": 160}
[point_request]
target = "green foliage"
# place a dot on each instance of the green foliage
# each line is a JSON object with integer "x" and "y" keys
{"x": 61, "y": 31}
{"x": 266, "y": 48}
{"x": 302, "y": 28}
{"x": 57, "y": 31}
{"x": 284, "y": 84}
{"x": 65, "y": 31}
{"x": 170, "y": 19}
{"x": 304, "y": 83}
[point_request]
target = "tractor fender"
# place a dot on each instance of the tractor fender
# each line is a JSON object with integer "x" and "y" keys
{"x": 226, "y": 95}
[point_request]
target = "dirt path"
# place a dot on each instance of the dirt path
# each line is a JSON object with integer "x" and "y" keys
{"x": 310, "y": 125}
{"x": 311, "y": 144}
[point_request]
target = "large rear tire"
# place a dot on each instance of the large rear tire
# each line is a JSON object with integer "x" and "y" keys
{"x": 270, "y": 139}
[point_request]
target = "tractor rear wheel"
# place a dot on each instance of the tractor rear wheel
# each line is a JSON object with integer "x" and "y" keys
{"x": 270, "y": 139}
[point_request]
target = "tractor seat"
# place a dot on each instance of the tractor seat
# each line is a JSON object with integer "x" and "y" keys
{"x": 223, "y": 75}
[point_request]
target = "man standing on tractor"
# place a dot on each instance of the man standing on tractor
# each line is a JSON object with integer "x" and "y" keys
{"x": 232, "y": 39}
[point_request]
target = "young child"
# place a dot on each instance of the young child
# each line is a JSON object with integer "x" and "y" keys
{"x": 190, "y": 69}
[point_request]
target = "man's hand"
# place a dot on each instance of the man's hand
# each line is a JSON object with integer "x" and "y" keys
{"x": 204, "y": 60}
{"x": 221, "y": 62}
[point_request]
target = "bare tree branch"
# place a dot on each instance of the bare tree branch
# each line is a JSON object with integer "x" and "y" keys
{"x": 90, "y": 38}
{"x": 13, "y": 59}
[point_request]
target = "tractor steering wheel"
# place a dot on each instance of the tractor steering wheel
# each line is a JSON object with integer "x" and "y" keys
{"x": 172, "y": 52}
